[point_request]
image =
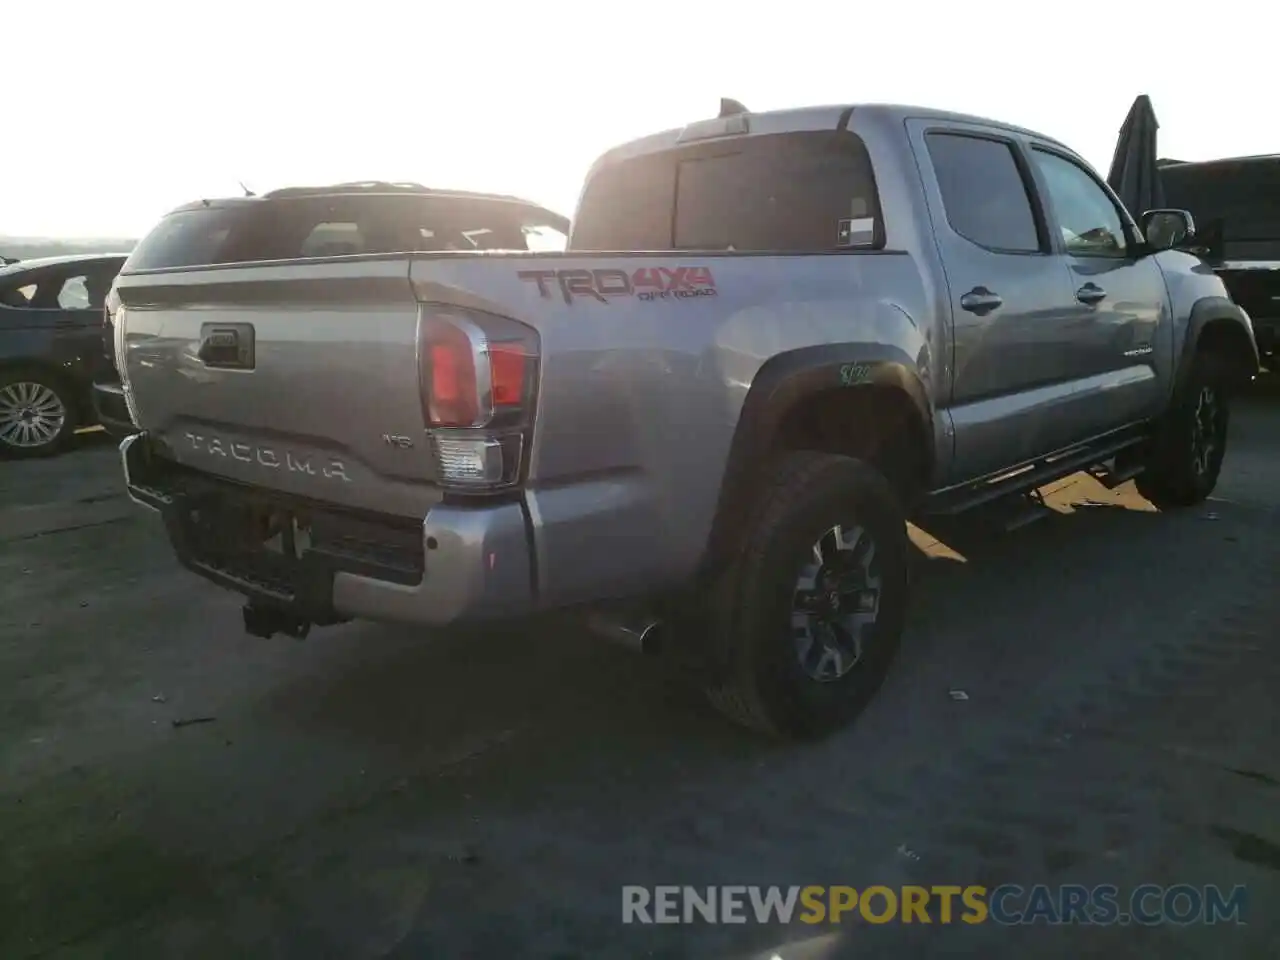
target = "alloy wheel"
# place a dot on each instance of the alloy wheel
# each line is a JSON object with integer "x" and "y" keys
{"x": 835, "y": 603}
{"x": 1204, "y": 429}
{"x": 32, "y": 415}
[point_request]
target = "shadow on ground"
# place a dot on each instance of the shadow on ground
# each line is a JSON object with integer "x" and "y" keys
{"x": 380, "y": 792}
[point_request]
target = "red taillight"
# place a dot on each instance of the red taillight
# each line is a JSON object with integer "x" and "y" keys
{"x": 475, "y": 368}
{"x": 449, "y": 379}
{"x": 507, "y": 364}
{"x": 478, "y": 374}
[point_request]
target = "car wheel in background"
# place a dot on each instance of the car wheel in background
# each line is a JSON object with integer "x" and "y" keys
{"x": 36, "y": 415}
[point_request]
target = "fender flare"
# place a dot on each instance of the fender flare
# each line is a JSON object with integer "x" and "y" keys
{"x": 781, "y": 383}
{"x": 1209, "y": 310}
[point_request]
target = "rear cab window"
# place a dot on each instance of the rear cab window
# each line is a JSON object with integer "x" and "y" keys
{"x": 327, "y": 225}
{"x": 809, "y": 191}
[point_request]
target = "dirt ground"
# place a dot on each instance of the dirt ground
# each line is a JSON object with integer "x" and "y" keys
{"x": 1088, "y": 699}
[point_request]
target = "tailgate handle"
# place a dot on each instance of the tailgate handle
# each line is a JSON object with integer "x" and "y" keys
{"x": 226, "y": 346}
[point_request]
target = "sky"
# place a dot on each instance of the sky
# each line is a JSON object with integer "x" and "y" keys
{"x": 135, "y": 106}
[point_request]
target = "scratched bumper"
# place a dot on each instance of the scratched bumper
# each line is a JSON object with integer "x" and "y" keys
{"x": 458, "y": 564}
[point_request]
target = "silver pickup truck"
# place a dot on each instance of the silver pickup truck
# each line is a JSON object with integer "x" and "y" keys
{"x": 773, "y": 339}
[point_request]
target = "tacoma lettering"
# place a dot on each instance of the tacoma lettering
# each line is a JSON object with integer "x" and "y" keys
{"x": 330, "y": 469}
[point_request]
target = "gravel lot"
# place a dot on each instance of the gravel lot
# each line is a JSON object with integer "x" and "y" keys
{"x": 381, "y": 792}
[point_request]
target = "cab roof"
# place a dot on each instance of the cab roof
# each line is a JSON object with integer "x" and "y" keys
{"x": 736, "y": 120}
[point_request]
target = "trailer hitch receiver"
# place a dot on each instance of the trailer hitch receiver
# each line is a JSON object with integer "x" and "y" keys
{"x": 266, "y": 621}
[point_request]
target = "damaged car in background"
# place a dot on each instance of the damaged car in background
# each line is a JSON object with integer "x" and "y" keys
{"x": 51, "y": 349}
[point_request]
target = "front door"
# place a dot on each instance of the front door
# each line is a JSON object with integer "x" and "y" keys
{"x": 1121, "y": 334}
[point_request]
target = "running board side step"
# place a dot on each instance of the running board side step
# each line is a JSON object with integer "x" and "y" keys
{"x": 953, "y": 500}
{"x": 1118, "y": 475}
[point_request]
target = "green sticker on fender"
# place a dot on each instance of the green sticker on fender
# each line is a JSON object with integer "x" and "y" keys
{"x": 852, "y": 374}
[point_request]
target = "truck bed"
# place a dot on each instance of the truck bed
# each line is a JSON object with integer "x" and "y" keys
{"x": 645, "y": 360}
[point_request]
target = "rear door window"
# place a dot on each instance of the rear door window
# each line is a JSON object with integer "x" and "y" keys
{"x": 85, "y": 289}
{"x": 16, "y": 293}
{"x": 795, "y": 192}
{"x": 984, "y": 192}
{"x": 73, "y": 295}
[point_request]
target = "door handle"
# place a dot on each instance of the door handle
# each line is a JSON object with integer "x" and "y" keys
{"x": 1090, "y": 294}
{"x": 981, "y": 301}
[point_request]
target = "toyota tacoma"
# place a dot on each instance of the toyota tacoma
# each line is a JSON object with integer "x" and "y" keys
{"x": 772, "y": 339}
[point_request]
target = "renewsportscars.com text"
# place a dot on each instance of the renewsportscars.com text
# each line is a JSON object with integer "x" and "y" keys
{"x": 1008, "y": 904}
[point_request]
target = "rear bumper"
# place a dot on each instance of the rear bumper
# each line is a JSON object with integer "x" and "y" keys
{"x": 458, "y": 564}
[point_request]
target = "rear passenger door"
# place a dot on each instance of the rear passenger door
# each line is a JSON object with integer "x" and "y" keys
{"x": 1012, "y": 305}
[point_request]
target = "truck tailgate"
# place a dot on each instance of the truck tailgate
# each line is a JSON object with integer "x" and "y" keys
{"x": 301, "y": 378}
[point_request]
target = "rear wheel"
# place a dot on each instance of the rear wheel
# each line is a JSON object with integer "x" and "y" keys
{"x": 1186, "y": 454}
{"x": 811, "y": 616}
{"x": 36, "y": 418}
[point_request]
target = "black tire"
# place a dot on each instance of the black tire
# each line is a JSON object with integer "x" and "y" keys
{"x": 54, "y": 404}
{"x": 1179, "y": 472}
{"x": 764, "y": 686}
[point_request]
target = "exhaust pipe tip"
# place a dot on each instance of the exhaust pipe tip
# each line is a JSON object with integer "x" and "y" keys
{"x": 643, "y": 635}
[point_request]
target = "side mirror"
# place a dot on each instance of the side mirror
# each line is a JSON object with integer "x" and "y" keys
{"x": 1166, "y": 229}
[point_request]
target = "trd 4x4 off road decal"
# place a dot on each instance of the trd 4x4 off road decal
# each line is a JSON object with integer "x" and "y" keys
{"x": 646, "y": 283}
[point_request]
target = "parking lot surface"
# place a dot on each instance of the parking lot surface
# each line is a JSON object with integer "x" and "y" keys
{"x": 1088, "y": 699}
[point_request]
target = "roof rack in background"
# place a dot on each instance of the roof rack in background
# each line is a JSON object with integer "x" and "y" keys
{"x": 384, "y": 186}
{"x": 353, "y": 186}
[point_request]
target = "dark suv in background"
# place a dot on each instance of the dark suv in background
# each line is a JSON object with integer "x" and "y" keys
{"x": 1236, "y": 205}
{"x": 51, "y": 348}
